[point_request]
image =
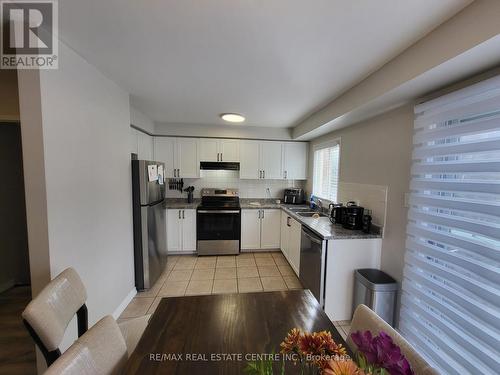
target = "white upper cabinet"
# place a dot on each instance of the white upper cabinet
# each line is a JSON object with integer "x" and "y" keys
{"x": 180, "y": 156}
{"x": 219, "y": 150}
{"x": 270, "y": 160}
{"x": 295, "y": 160}
{"x": 165, "y": 152}
{"x": 144, "y": 146}
{"x": 261, "y": 160}
{"x": 250, "y": 160}
{"x": 187, "y": 161}
{"x": 229, "y": 150}
{"x": 209, "y": 149}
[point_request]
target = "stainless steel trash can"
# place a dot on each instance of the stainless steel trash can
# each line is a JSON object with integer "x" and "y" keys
{"x": 377, "y": 290}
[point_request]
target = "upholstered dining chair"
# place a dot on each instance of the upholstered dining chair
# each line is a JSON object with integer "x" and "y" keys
{"x": 365, "y": 319}
{"x": 100, "y": 351}
{"x": 47, "y": 316}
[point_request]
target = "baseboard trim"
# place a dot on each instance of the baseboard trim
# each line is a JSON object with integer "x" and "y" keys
{"x": 7, "y": 285}
{"x": 124, "y": 303}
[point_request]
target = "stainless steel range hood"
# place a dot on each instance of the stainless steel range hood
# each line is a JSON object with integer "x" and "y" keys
{"x": 220, "y": 166}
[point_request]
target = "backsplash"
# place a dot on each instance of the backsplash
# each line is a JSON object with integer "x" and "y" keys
{"x": 372, "y": 197}
{"x": 231, "y": 179}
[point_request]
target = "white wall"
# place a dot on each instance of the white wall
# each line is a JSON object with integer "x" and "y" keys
{"x": 140, "y": 120}
{"x": 378, "y": 152}
{"x": 85, "y": 123}
{"x": 231, "y": 131}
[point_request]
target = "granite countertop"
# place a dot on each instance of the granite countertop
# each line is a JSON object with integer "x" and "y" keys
{"x": 249, "y": 203}
{"x": 321, "y": 226}
{"x": 324, "y": 228}
{"x": 180, "y": 203}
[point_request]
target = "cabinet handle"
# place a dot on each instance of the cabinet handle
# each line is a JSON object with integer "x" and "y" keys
{"x": 221, "y": 156}
{"x": 285, "y": 174}
{"x": 179, "y": 214}
{"x": 217, "y": 156}
{"x": 288, "y": 221}
{"x": 183, "y": 214}
{"x": 263, "y": 174}
{"x": 259, "y": 214}
{"x": 263, "y": 214}
{"x": 178, "y": 172}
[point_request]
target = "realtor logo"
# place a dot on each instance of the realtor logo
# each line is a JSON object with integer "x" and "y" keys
{"x": 29, "y": 34}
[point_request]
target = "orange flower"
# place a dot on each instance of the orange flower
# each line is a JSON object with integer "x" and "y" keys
{"x": 291, "y": 342}
{"x": 342, "y": 368}
{"x": 331, "y": 347}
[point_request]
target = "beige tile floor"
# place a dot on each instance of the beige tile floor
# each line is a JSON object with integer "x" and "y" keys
{"x": 188, "y": 275}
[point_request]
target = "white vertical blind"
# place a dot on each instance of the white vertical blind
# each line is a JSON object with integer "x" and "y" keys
{"x": 451, "y": 289}
{"x": 326, "y": 171}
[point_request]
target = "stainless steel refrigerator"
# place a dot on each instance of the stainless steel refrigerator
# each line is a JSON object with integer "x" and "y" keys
{"x": 150, "y": 238}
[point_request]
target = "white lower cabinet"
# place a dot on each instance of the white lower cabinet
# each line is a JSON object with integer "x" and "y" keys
{"x": 259, "y": 229}
{"x": 344, "y": 257}
{"x": 291, "y": 231}
{"x": 181, "y": 230}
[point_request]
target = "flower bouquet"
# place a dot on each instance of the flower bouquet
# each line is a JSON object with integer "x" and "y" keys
{"x": 318, "y": 353}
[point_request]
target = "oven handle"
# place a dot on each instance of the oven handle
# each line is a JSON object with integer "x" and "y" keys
{"x": 218, "y": 211}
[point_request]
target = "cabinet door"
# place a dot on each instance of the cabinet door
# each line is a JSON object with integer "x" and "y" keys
{"x": 174, "y": 230}
{"x": 145, "y": 147}
{"x": 134, "y": 139}
{"x": 270, "y": 235}
{"x": 294, "y": 245}
{"x": 187, "y": 160}
{"x": 295, "y": 160}
{"x": 209, "y": 149}
{"x": 284, "y": 234}
{"x": 189, "y": 230}
{"x": 270, "y": 156}
{"x": 249, "y": 160}
{"x": 164, "y": 151}
{"x": 250, "y": 229}
{"x": 229, "y": 150}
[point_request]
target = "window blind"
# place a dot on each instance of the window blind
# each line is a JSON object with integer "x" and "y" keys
{"x": 326, "y": 171}
{"x": 450, "y": 304}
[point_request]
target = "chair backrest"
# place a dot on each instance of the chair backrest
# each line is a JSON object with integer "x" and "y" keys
{"x": 47, "y": 316}
{"x": 365, "y": 319}
{"x": 100, "y": 351}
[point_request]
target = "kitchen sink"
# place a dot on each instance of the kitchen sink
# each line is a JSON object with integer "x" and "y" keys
{"x": 299, "y": 209}
{"x": 311, "y": 214}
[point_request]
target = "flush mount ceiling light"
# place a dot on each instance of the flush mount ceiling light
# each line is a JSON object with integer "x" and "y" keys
{"x": 232, "y": 117}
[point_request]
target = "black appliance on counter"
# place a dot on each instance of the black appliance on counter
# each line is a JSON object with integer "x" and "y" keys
{"x": 218, "y": 219}
{"x": 353, "y": 216}
{"x": 337, "y": 213}
{"x": 293, "y": 196}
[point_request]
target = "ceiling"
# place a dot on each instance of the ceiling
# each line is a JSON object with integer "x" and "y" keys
{"x": 275, "y": 61}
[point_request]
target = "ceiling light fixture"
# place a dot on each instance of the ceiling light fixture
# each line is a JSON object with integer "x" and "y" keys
{"x": 232, "y": 117}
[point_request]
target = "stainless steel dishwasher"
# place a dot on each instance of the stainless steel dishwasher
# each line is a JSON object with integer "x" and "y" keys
{"x": 312, "y": 264}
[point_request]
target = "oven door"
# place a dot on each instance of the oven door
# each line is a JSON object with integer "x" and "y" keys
{"x": 218, "y": 231}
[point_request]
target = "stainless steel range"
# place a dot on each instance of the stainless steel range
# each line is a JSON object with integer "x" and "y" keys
{"x": 218, "y": 222}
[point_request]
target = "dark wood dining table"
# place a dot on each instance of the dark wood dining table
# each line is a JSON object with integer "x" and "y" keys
{"x": 219, "y": 334}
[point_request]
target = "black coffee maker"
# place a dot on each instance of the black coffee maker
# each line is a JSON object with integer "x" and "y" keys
{"x": 353, "y": 216}
{"x": 337, "y": 213}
